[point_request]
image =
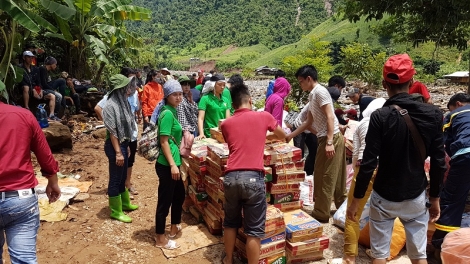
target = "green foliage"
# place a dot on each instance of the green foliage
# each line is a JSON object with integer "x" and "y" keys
{"x": 260, "y": 103}
{"x": 317, "y": 55}
{"x": 360, "y": 62}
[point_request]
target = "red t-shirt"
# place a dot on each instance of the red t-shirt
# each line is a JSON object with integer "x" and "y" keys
{"x": 20, "y": 135}
{"x": 420, "y": 88}
{"x": 199, "y": 80}
{"x": 245, "y": 134}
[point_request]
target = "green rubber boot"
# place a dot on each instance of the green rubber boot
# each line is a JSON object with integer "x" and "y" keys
{"x": 126, "y": 202}
{"x": 115, "y": 204}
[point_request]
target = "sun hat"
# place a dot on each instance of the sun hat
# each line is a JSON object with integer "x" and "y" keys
{"x": 165, "y": 71}
{"x": 183, "y": 78}
{"x": 28, "y": 54}
{"x": 398, "y": 69}
{"x": 171, "y": 86}
{"x": 118, "y": 81}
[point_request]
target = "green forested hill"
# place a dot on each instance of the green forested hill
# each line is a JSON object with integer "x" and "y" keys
{"x": 215, "y": 23}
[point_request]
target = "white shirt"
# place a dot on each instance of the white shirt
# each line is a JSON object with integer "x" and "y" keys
{"x": 319, "y": 97}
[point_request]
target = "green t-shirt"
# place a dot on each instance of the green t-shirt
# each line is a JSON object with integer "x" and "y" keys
{"x": 215, "y": 109}
{"x": 168, "y": 125}
{"x": 199, "y": 87}
{"x": 68, "y": 91}
{"x": 228, "y": 97}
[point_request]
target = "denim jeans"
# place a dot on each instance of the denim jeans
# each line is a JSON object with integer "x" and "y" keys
{"x": 117, "y": 174}
{"x": 19, "y": 223}
{"x": 59, "y": 85}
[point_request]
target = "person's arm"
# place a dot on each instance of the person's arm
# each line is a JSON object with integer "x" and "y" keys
{"x": 200, "y": 124}
{"x": 357, "y": 145}
{"x": 99, "y": 112}
{"x": 305, "y": 125}
{"x": 429, "y": 100}
{"x": 165, "y": 145}
{"x": 43, "y": 79}
{"x": 278, "y": 133}
{"x": 49, "y": 166}
{"x": 145, "y": 105}
{"x": 330, "y": 121}
{"x": 117, "y": 149}
{"x": 227, "y": 113}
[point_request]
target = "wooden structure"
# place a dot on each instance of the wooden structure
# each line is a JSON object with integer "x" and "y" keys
{"x": 460, "y": 77}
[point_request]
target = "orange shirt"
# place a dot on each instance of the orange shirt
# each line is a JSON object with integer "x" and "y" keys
{"x": 152, "y": 95}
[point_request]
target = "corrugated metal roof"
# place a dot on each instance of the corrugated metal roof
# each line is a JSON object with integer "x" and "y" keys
{"x": 457, "y": 74}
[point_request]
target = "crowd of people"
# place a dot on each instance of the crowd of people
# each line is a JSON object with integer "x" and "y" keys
{"x": 401, "y": 132}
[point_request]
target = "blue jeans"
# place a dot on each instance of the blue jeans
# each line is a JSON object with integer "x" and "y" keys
{"x": 19, "y": 221}
{"x": 117, "y": 174}
{"x": 59, "y": 85}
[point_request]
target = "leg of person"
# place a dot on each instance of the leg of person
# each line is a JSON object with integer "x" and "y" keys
{"x": 452, "y": 199}
{"x": 76, "y": 102}
{"x": 133, "y": 149}
{"x": 254, "y": 211}
{"x": 177, "y": 208}
{"x": 51, "y": 97}
{"x": 115, "y": 174}
{"x": 322, "y": 205}
{"x": 125, "y": 195}
{"x": 382, "y": 217}
{"x": 26, "y": 90}
{"x": 301, "y": 143}
{"x": 312, "y": 144}
{"x": 21, "y": 224}
{"x": 166, "y": 187}
{"x": 340, "y": 193}
{"x": 414, "y": 217}
{"x": 59, "y": 102}
{"x": 233, "y": 216}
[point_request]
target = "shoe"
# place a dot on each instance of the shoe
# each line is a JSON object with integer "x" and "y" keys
{"x": 115, "y": 204}
{"x": 178, "y": 229}
{"x": 126, "y": 202}
{"x": 54, "y": 118}
{"x": 133, "y": 191}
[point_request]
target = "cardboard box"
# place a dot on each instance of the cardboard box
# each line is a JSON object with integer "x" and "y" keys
{"x": 212, "y": 188}
{"x": 269, "y": 237}
{"x": 289, "y": 206}
{"x": 212, "y": 220}
{"x": 188, "y": 202}
{"x": 288, "y": 176}
{"x": 274, "y": 219}
{"x": 217, "y": 135}
{"x": 279, "y": 258}
{"x": 266, "y": 250}
{"x": 304, "y": 258}
{"x": 218, "y": 153}
{"x": 309, "y": 246}
{"x": 278, "y": 188}
{"x": 198, "y": 168}
{"x": 285, "y": 197}
{"x": 268, "y": 197}
{"x": 289, "y": 166}
{"x": 268, "y": 174}
{"x": 215, "y": 208}
{"x": 281, "y": 151}
{"x": 196, "y": 213}
{"x": 197, "y": 181}
{"x": 198, "y": 196}
{"x": 306, "y": 237}
{"x": 299, "y": 223}
{"x": 215, "y": 168}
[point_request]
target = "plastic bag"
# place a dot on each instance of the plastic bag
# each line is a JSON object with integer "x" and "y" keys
{"x": 456, "y": 247}
{"x": 339, "y": 218}
{"x": 306, "y": 191}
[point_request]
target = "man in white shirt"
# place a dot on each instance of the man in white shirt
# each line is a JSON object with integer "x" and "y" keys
{"x": 330, "y": 162}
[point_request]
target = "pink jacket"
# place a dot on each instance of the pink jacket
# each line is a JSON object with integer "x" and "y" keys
{"x": 275, "y": 102}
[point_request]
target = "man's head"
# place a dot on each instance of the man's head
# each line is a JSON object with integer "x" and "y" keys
{"x": 69, "y": 81}
{"x": 219, "y": 80}
{"x": 234, "y": 80}
{"x": 200, "y": 73}
{"x": 31, "y": 47}
{"x": 28, "y": 57}
{"x": 51, "y": 62}
{"x": 279, "y": 73}
{"x": 138, "y": 73}
{"x": 458, "y": 100}
{"x": 128, "y": 72}
{"x": 354, "y": 94}
{"x": 352, "y": 114}
{"x": 240, "y": 96}
{"x": 337, "y": 81}
{"x": 398, "y": 72}
{"x": 307, "y": 76}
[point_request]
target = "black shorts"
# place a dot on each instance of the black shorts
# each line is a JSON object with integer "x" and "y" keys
{"x": 133, "y": 149}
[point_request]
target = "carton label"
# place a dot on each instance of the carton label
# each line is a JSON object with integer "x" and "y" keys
{"x": 285, "y": 197}
{"x": 278, "y": 188}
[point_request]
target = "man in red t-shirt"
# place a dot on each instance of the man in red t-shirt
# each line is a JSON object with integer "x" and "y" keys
{"x": 244, "y": 188}
{"x": 19, "y": 210}
{"x": 200, "y": 76}
{"x": 420, "y": 88}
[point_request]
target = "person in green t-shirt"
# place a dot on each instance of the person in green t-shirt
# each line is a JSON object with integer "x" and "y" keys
{"x": 213, "y": 107}
{"x": 170, "y": 188}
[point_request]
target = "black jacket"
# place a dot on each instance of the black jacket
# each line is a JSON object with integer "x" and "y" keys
{"x": 400, "y": 174}
{"x": 364, "y": 101}
{"x": 30, "y": 78}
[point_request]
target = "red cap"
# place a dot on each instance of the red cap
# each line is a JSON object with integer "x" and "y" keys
{"x": 398, "y": 69}
{"x": 352, "y": 112}
{"x": 339, "y": 111}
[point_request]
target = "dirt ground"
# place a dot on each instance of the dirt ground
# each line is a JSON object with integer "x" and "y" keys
{"x": 90, "y": 236}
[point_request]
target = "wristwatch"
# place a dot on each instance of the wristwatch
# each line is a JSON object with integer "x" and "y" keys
{"x": 329, "y": 142}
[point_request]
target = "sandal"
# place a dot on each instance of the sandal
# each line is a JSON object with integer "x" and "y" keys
{"x": 133, "y": 191}
{"x": 170, "y": 245}
{"x": 178, "y": 227}
{"x": 335, "y": 261}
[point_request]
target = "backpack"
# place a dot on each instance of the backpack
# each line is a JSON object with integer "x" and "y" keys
{"x": 149, "y": 144}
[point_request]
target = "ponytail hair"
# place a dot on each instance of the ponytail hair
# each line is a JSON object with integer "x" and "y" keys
{"x": 150, "y": 76}
{"x": 460, "y": 97}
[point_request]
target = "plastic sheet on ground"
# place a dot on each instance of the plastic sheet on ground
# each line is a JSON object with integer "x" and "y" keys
{"x": 52, "y": 212}
{"x": 83, "y": 186}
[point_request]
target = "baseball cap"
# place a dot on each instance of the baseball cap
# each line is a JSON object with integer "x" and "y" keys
{"x": 353, "y": 91}
{"x": 200, "y": 70}
{"x": 217, "y": 77}
{"x": 183, "y": 78}
{"x": 339, "y": 111}
{"x": 28, "y": 53}
{"x": 398, "y": 69}
{"x": 352, "y": 112}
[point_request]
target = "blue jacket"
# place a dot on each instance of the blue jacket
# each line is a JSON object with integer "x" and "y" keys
{"x": 270, "y": 89}
{"x": 457, "y": 130}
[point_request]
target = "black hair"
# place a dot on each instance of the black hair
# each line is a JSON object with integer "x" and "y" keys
{"x": 460, "y": 97}
{"x": 30, "y": 46}
{"x": 235, "y": 79}
{"x": 240, "y": 95}
{"x": 307, "y": 71}
{"x": 207, "y": 78}
{"x": 150, "y": 75}
{"x": 126, "y": 71}
{"x": 211, "y": 71}
{"x": 334, "y": 80}
{"x": 397, "y": 86}
{"x": 279, "y": 73}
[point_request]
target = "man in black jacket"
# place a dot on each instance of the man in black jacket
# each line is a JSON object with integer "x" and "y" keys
{"x": 399, "y": 187}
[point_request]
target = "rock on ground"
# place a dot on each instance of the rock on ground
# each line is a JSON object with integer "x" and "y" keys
{"x": 58, "y": 136}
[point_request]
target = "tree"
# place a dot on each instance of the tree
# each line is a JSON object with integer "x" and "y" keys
{"x": 315, "y": 54}
{"x": 360, "y": 62}
{"x": 445, "y": 22}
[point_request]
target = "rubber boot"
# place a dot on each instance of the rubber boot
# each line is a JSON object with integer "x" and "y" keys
{"x": 126, "y": 202}
{"x": 115, "y": 204}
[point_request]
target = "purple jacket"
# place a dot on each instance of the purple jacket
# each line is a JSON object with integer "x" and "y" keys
{"x": 275, "y": 102}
